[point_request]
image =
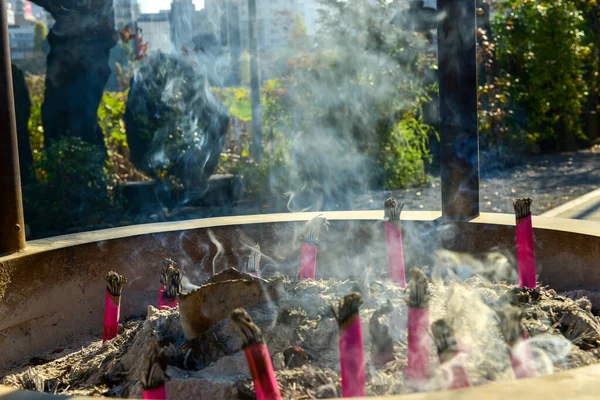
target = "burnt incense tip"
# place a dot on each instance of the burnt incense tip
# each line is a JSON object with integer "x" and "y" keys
{"x": 509, "y": 322}
{"x": 253, "y": 265}
{"x": 445, "y": 339}
{"x": 313, "y": 229}
{"x": 418, "y": 296}
{"x": 115, "y": 283}
{"x": 522, "y": 207}
{"x": 168, "y": 266}
{"x": 155, "y": 366}
{"x": 347, "y": 309}
{"x": 173, "y": 283}
{"x": 250, "y": 333}
{"x": 392, "y": 209}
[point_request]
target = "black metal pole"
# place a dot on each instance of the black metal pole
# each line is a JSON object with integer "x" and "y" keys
{"x": 12, "y": 227}
{"x": 257, "y": 149}
{"x": 457, "y": 64}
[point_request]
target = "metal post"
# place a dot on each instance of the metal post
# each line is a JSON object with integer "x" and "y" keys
{"x": 254, "y": 84}
{"x": 457, "y": 63}
{"x": 12, "y": 227}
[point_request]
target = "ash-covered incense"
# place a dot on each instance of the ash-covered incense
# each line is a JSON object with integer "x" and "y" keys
{"x": 154, "y": 373}
{"x": 393, "y": 241}
{"x": 310, "y": 238}
{"x": 313, "y": 229}
{"x": 525, "y": 243}
{"x": 382, "y": 348}
{"x": 417, "y": 372}
{"x": 115, "y": 284}
{"x": 169, "y": 265}
{"x": 521, "y": 354}
{"x": 351, "y": 345}
{"x": 253, "y": 265}
{"x": 173, "y": 287}
{"x": 257, "y": 356}
{"x": 112, "y": 309}
{"x": 447, "y": 347}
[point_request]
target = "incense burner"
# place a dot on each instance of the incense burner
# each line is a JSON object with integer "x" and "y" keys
{"x": 53, "y": 291}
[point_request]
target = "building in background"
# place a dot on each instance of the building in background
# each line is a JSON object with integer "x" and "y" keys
{"x": 182, "y": 16}
{"x": 156, "y": 31}
{"x": 22, "y": 41}
{"x": 126, "y": 12}
{"x": 10, "y": 14}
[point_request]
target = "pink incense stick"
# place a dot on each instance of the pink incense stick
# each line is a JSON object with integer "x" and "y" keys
{"x": 308, "y": 260}
{"x": 449, "y": 354}
{"x": 521, "y": 354}
{"x": 257, "y": 356}
{"x": 351, "y": 345}
{"x": 172, "y": 290}
{"x": 164, "y": 278}
{"x": 418, "y": 324}
{"x": 154, "y": 373}
{"x": 253, "y": 265}
{"x": 393, "y": 241}
{"x": 112, "y": 307}
{"x": 525, "y": 244}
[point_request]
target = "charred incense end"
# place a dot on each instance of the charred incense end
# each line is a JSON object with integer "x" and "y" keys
{"x": 169, "y": 265}
{"x": 522, "y": 208}
{"x": 347, "y": 310}
{"x": 173, "y": 283}
{"x": 509, "y": 322}
{"x": 250, "y": 333}
{"x": 445, "y": 340}
{"x": 313, "y": 229}
{"x": 155, "y": 366}
{"x": 418, "y": 296}
{"x": 382, "y": 348}
{"x": 392, "y": 209}
{"x": 115, "y": 284}
{"x": 253, "y": 266}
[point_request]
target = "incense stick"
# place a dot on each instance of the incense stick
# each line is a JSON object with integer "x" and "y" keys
{"x": 521, "y": 354}
{"x": 164, "y": 278}
{"x": 393, "y": 241}
{"x": 382, "y": 344}
{"x": 447, "y": 347}
{"x": 525, "y": 244}
{"x": 253, "y": 266}
{"x": 257, "y": 356}
{"x": 172, "y": 289}
{"x": 112, "y": 308}
{"x": 154, "y": 373}
{"x": 351, "y": 345}
{"x": 308, "y": 262}
{"x": 418, "y": 324}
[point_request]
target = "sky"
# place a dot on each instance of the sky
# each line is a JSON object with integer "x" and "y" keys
{"x": 152, "y": 6}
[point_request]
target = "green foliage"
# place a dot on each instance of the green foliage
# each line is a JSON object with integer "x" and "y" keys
{"x": 298, "y": 38}
{"x": 541, "y": 46}
{"x": 41, "y": 31}
{"x": 36, "y": 85}
{"x": 237, "y": 100}
{"x": 72, "y": 186}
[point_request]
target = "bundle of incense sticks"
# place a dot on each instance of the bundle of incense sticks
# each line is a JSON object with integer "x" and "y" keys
{"x": 154, "y": 373}
{"x": 308, "y": 262}
{"x": 525, "y": 247}
{"x": 393, "y": 241}
{"x": 172, "y": 289}
{"x": 418, "y": 323}
{"x": 253, "y": 266}
{"x": 257, "y": 356}
{"x": 382, "y": 344}
{"x": 521, "y": 354}
{"x": 169, "y": 265}
{"x": 112, "y": 309}
{"x": 351, "y": 345}
{"x": 447, "y": 347}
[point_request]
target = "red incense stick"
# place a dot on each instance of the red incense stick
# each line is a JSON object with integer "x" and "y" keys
{"x": 525, "y": 246}
{"x": 418, "y": 324}
{"x": 253, "y": 266}
{"x": 172, "y": 289}
{"x": 164, "y": 278}
{"x": 308, "y": 261}
{"x": 351, "y": 345}
{"x": 382, "y": 344}
{"x": 393, "y": 241}
{"x": 154, "y": 373}
{"x": 257, "y": 356}
{"x": 112, "y": 308}
{"x": 448, "y": 352}
{"x": 521, "y": 354}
